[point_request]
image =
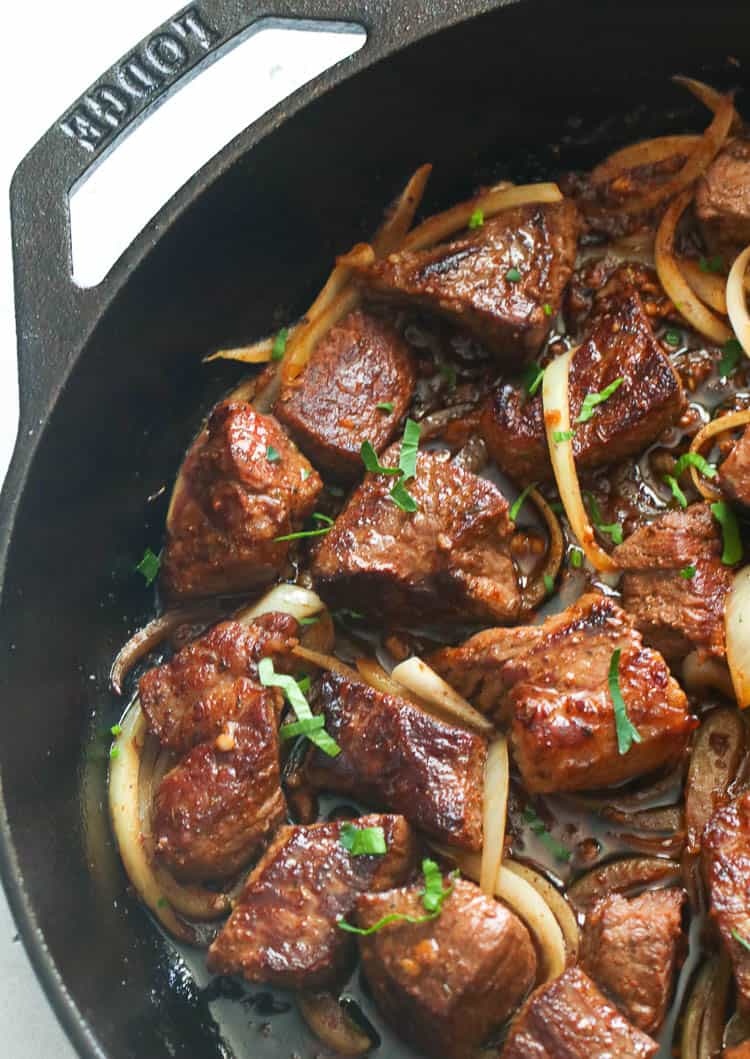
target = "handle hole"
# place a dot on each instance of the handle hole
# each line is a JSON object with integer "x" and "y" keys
{"x": 257, "y": 69}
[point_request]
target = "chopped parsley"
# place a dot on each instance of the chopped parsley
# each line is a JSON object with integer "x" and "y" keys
{"x": 730, "y": 529}
{"x": 627, "y": 733}
{"x": 694, "y": 459}
{"x": 114, "y": 751}
{"x": 513, "y": 275}
{"x": 300, "y": 534}
{"x": 371, "y": 462}
{"x": 539, "y": 828}
{"x": 477, "y": 218}
{"x": 278, "y": 349}
{"x": 591, "y": 400}
{"x": 309, "y": 621}
{"x": 549, "y": 583}
{"x": 688, "y": 572}
{"x": 305, "y": 474}
{"x": 559, "y": 436}
{"x": 576, "y": 558}
{"x": 295, "y": 696}
{"x": 711, "y": 264}
{"x": 673, "y": 338}
{"x": 407, "y": 465}
{"x": 306, "y": 727}
{"x": 612, "y": 529}
{"x": 677, "y": 493}
{"x": 532, "y": 378}
{"x": 116, "y": 730}
{"x": 407, "y": 460}
{"x": 272, "y": 455}
{"x": 519, "y": 502}
{"x": 547, "y": 309}
{"x": 402, "y": 498}
{"x": 362, "y": 841}
{"x": 743, "y": 941}
{"x": 731, "y": 354}
{"x": 433, "y": 897}
{"x": 384, "y": 406}
{"x": 448, "y": 373}
{"x": 149, "y": 566}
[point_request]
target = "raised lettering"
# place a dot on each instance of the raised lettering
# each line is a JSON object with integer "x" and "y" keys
{"x": 80, "y": 126}
{"x": 166, "y": 53}
{"x": 191, "y": 22}
{"x": 136, "y": 79}
{"x": 109, "y": 104}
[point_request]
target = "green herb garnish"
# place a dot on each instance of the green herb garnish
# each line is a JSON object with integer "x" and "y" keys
{"x": 269, "y": 678}
{"x": 711, "y": 264}
{"x": 116, "y": 730}
{"x": 309, "y": 621}
{"x": 612, "y": 529}
{"x": 407, "y": 465}
{"x": 738, "y": 937}
{"x": 673, "y": 338}
{"x": 627, "y": 733}
{"x": 300, "y": 534}
{"x": 384, "y": 406}
{"x": 694, "y": 459}
{"x": 549, "y": 583}
{"x": 576, "y": 558}
{"x": 547, "y": 309}
{"x": 306, "y": 727}
{"x": 731, "y": 354}
{"x": 305, "y": 474}
{"x": 532, "y": 378}
{"x": 149, "y": 566}
{"x": 114, "y": 751}
{"x": 272, "y": 455}
{"x": 688, "y": 572}
{"x": 407, "y": 460}
{"x": 448, "y": 373}
{"x": 371, "y": 462}
{"x": 730, "y": 530}
{"x": 539, "y": 828}
{"x": 677, "y": 493}
{"x": 433, "y": 897}
{"x": 278, "y": 349}
{"x": 559, "y": 436}
{"x": 362, "y": 841}
{"x": 513, "y": 275}
{"x": 591, "y": 400}
{"x": 519, "y": 502}
{"x": 477, "y": 218}
{"x": 402, "y": 498}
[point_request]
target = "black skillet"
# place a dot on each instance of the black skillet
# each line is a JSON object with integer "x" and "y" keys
{"x": 112, "y": 388}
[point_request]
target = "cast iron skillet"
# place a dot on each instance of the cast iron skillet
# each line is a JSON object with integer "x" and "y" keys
{"x": 112, "y": 387}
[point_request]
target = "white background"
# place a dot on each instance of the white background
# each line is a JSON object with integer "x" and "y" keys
{"x": 53, "y": 53}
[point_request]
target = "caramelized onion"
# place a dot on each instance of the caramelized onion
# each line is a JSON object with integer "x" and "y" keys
{"x": 494, "y": 813}
{"x": 673, "y": 281}
{"x": 260, "y": 352}
{"x": 374, "y": 675}
{"x": 327, "y": 661}
{"x": 287, "y": 599}
{"x": 647, "y": 152}
{"x": 329, "y": 1022}
{"x": 562, "y": 911}
{"x": 502, "y": 197}
{"x": 737, "y": 301}
{"x": 703, "y": 1024}
{"x": 723, "y": 423}
{"x": 709, "y": 96}
{"x": 390, "y": 236}
{"x": 321, "y": 635}
{"x": 736, "y": 624}
{"x": 620, "y": 876}
{"x": 717, "y": 751}
{"x": 557, "y": 419}
{"x": 418, "y": 677}
{"x": 535, "y": 592}
{"x": 150, "y": 636}
{"x": 701, "y": 156}
{"x": 709, "y": 287}
{"x": 701, "y": 671}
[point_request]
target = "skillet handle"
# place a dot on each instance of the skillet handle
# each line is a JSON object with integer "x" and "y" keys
{"x": 54, "y": 316}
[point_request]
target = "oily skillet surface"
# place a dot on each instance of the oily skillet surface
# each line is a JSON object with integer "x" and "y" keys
{"x": 113, "y": 388}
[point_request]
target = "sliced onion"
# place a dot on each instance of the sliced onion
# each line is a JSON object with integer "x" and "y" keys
{"x": 260, "y": 352}
{"x": 647, "y": 152}
{"x": 495, "y": 811}
{"x": 326, "y": 661}
{"x": 673, "y": 281}
{"x": 710, "y": 288}
{"x": 737, "y": 301}
{"x": 321, "y": 635}
{"x": 561, "y": 909}
{"x": 723, "y": 423}
{"x": 709, "y": 96}
{"x": 710, "y": 773}
{"x": 150, "y": 636}
{"x": 701, "y": 671}
{"x": 698, "y": 161}
{"x": 390, "y": 236}
{"x": 703, "y": 1024}
{"x": 126, "y": 823}
{"x": 737, "y": 626}
{"x": 514, "y": 890}
{"x": 418, "y": 677}
{"x": 285, "y": 599}
{"x": 535, "y": 592}
{"x": 373, "y": 674}
{"x": 328, "y": 1021}
{"x": 557, "y": 418}
{"x": 435, "y": 229}
{"x": 621, "y": 876}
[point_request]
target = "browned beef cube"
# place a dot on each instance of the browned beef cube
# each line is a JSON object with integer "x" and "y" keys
{"x": 223, "y": 801}
{"x": 599, "y": 285}
{"x": 555, "y": 692}
{"x": 726, "y": 859}
{"x": 734, "y": 473}
{"x": 361, "y": 363}
{"x": 677, "y": 613}
{"x": 495, "y": 281}
{"x": 192, "y": 698}
{"x": 448, "y": 560}
{"x": 630, "y": 947}
{"x": 395, "y": 756}
{"x": 445, "y": 985}
{"x": 621, "y": 345}
{"x": 737, "y": 1051}
{"x": 569, "y": 1018}
{"x": 242, "y": 485}
{"x": 284, "y": 928}
{"x": 722, "y": 197}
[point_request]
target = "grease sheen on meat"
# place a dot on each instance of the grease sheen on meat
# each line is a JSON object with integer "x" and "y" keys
{"x": 468, "y": 279}
{"x": 283, "y": 929}
{"x": 722, "y": 197}
{"x": 448, "y": 560}
{"x": 447, "y": 984}
{"x": 242, "y": 485}
{"x": 734, "y": 473}
{"x": 361, "y": 363}
{"x": 570, "y": 1019}
{"x": 620, "y": 345}
{"x": 395, "y": 756}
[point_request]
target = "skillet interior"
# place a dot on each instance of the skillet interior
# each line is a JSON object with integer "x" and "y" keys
{"x": 481, "y": 100}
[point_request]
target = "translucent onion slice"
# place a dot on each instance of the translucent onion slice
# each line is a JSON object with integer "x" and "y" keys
{"x": 647, "y": 152}
{"x": 720, "y": 425}
{"x": 373, "y": 674}
{"x": 701, "y": 672}
{"x": 673, "y": 281}
{"x": 709, "y": 287}
{"x": 150, "y": 636}
{"x": 562, "y": 911}
{"x": 329, "y": 1022}
{"x": 326, "y": 661}
{"x": 557, "y": 418}
{"x": 737, "y": 627}
{"x": 698, "y": 161}
{"x": 502, "y": 197}
{"x": 126, "y": 823}
{"x": 709, "y": 96}
{"x": 737, "y": 301}
{"x": 514, "y": 890}
{"x": 259, "y": 352}
{"x": 391, "y": 234}
{"x": 495, "y": 811}
{"x": 286, "y": 599}
{"x": 418, "y": 677}
{"x": 535, "y": 592}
